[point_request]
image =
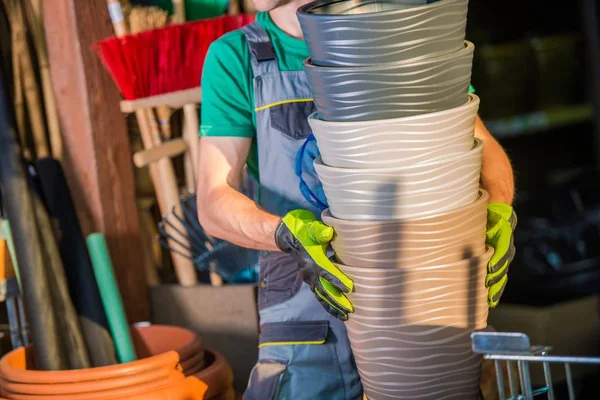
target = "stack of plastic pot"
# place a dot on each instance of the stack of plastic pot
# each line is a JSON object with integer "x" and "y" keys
{"x": 172, "y": 364}
{"x": 207, "y": 365}
{"x": 154, "y": 378}
{"x": 400, "y": 168}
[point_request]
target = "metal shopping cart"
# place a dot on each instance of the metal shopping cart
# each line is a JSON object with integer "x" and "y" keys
{"x": 515, "y": 348}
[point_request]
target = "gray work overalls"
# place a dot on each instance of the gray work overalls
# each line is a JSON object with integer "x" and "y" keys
{"x": 304, "y": 353}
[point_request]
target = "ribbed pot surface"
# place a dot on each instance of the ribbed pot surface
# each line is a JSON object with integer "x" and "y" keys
{"x": 372, "y": 32}
{"x": 402, "y": 192}
{"x": 391, "y": 90}
{"x": 410, "y": 332}
{"x": 396, "y": 142}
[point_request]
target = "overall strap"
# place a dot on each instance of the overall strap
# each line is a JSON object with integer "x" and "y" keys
{"x": 262, "y": 54}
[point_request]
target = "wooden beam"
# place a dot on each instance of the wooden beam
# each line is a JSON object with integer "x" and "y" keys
{"x": 97, "y": 155}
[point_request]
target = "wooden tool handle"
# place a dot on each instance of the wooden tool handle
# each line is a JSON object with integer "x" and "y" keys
{"x": 117, "y": 18}
{"x": 169, "y": 149}
{"x": 190, "y": 134}
{"x": 163, "y": 178}
{"x": 179, "y": 11}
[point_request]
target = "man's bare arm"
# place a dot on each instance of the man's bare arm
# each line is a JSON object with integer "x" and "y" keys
{"x": 496, "y": 171}
{"x": 223, "y": 211}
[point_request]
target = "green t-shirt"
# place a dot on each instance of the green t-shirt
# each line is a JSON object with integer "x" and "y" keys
{"x": 227, "y": 92}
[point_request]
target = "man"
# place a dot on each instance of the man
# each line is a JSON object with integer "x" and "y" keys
{"x": 256, "y": 100}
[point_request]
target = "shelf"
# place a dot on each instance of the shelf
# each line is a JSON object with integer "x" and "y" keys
{"x": 539, "y": 121}
{"x": 174, "y": 100}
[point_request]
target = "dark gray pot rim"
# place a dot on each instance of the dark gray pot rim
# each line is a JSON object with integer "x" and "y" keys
{"x": 308, "y": 8}
{"x": 472, "y": 102}
{"x": 468, "y": 48}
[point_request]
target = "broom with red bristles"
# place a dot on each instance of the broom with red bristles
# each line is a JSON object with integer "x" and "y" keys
{"x": 162, "y": 67}
{"x": 164, "y": 60}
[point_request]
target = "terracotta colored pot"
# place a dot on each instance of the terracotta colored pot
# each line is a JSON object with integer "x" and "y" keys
{"x": 217, "y": 375}
{"x": 358, "y": 33}
{"x": 438, "y": 239}
{"x": 391, "y": 90}
{"x": 396, "y": 142}
{"x": 228, "y": 395}
{"x": 189, "y": 388}
{"x": 402, "y": 192}
{"x": 410, "y": 332}
{"x": 156, "y": 339}
{"x": 17, "y": 366}
{"x": 84, "y": 389}
{"x": 194, "y": 363}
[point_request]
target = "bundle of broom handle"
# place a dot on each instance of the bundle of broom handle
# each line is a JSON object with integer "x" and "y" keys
{"x": 161, "y": 172}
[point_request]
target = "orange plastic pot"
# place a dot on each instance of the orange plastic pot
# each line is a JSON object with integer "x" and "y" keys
{"x": 18, "y": 366}
{"x": 153, "y": 378}
{"x": 84, "y": 391}
{"x": 156, "y": 339}
{"x": 190, "y": 388}
{"x": 217, "y": 375}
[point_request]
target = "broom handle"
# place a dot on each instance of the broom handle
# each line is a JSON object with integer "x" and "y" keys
{"x": 190, "y": 134}
{"x": 117, "y": 18}
{"x": 189, "y": 157}
{"x": 161, "y": 172}
{"x": 30, "y": 86}
{"x": 19, "y": 101}
{"x": 163, "y": 177}
{"x": 179, "y": 11}
{"x": 34, "y": 15}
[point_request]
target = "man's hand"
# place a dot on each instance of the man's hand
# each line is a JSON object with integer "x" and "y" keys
{"x": 501, "y": 223}
{"x": 303, "y": 236}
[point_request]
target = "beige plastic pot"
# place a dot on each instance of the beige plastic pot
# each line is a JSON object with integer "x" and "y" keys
{"x": 452, "y": 294}
{"x": 428, "y": 363}
{"x": 410, "y": 332}
{"x": 396, "y": 142}
{"x": 442, "y": 238}
{"x": 402, "y": 192}
{"x": 391, "y": 90}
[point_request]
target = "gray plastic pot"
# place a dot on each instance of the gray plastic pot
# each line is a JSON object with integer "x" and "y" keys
{"x": 373, "y": 32}
{"x": 391, "y": 90}
{"x": 442, "y": 238}
{"x": 399, "y": 141}
{"x": 402, "y": 192}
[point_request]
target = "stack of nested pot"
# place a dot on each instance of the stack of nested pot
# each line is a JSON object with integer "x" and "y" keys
{"x": 400, "y": 168}
{"x": 173, "y": 364}
{"x": 207, "y": 365}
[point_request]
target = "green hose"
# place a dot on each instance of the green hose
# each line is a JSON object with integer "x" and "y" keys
{"x": 111, "y": 298}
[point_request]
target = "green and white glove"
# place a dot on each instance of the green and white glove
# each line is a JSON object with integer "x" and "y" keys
{"x": 303, "y": 236}
{"x": 501, "y": 224}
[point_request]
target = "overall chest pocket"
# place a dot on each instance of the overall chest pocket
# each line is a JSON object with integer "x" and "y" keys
{"x": 291, "y": 118}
